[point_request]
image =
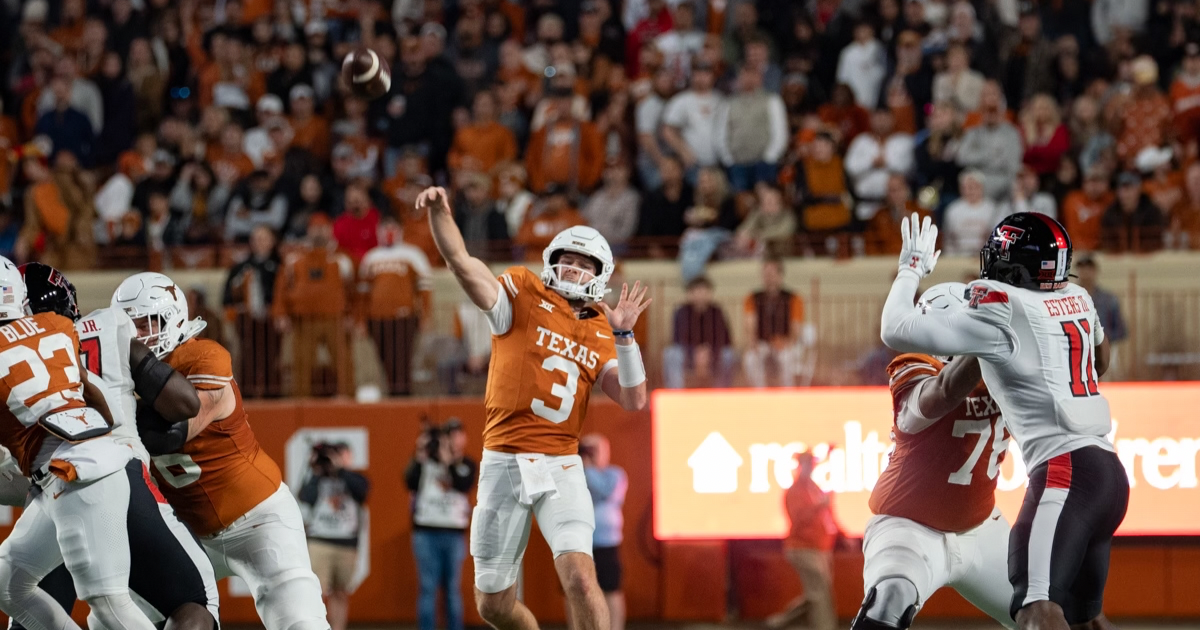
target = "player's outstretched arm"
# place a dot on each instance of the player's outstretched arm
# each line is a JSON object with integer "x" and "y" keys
{"x": 627, "y": 384}
{"x": 168, "y": 392}
{"x": 940, "y": 395}
{"x": 473, "y": 276}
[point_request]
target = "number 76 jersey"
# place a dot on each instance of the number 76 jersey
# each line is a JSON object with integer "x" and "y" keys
{"x": 544, "y": 363}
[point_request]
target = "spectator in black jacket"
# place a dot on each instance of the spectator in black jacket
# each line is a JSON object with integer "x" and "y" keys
{"x": 701, "y": 340}
{"x": 439, "y": 477}
{"x": 332, "y": 501}
{"x": 249, "y": 293}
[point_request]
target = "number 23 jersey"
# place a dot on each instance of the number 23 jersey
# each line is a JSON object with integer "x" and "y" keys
{"x": 544, "y": 363}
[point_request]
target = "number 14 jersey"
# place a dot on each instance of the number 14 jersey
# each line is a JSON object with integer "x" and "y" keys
{"x": 544, "y": 363}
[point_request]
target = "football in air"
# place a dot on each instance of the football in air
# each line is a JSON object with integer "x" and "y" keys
{"x": 367, "y": 73}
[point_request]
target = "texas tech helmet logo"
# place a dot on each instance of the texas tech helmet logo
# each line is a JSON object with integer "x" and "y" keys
{"x": 1008, "y": 235}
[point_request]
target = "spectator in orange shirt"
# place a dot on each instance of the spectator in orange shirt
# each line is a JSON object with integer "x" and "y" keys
{"x": 1185, "y": 95}
{"x": 882, "y": 235}
{"x": 566, "y": 151}
{"x": 1146, "y": 115}
{"x": 775, "y": 332}
{"x": 310, "y": 131}
{"x": 809, "y": 545}
{"x": 229, "y": 162}
{"x": 547, "y": 217}
{"x": 844, "y": 114}
{"x": 310, "y": 302}
{"x": 485, "y": 142}
{"x": 1082, "y": 210}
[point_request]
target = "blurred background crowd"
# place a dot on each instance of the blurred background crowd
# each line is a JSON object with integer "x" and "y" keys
{"x": 217, "y": 134}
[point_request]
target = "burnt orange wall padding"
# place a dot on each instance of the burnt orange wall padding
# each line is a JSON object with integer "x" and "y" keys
{"x": 674, "y": 581}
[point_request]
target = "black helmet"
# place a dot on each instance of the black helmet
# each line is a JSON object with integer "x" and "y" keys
{"x": 1027, "y": 250}
{"x": 49, "y": 291}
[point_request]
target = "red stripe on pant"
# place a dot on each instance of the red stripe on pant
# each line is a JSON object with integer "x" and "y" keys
{"x": 1059, "y": 473}
{"x": 150, "y": 484}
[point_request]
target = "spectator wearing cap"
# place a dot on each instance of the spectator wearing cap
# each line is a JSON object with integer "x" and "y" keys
{"x": 309, "y": 130}
{"x": 1185, "y": 96}
{"x": 701, "y": 344}
{"x": 752, "y": 132}
{"x": 820, "y": 192}
{"x": 872, "y": 156}
{"x": 255, "y": 201}
{"x": 548, "y": 216}
{"x": 566, "y": 151}
{"x": 484, "y": 143}
{"x": 613, "y": 208}
{"x": 1110, "y": 16}
{"x": 394, "y": 280}
{"x": 356, "y": 230}
{"x": 689, "y": 122}
{"x": 993, "y": 147}
{"x": 67, "y": 128}
{"x": 1161, "y": 182}
{"x": 1132, "y": 223}
{"x": 1145, "y": 115}
{"x": 311, "y": 292}
{"x": 248, "y": 299}
{"x": 256, "y": 142}
{"x": 863, "y": 65}
{"x": 969, "y": 219}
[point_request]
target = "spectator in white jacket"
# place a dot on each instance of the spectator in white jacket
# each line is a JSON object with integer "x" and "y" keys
{"x": 970, "y": 218}
{"x": 872, "y": 157}
{"x": 752, "y": 132}
{"x": 863, "y": 66}
{"x": 689, "y": 122}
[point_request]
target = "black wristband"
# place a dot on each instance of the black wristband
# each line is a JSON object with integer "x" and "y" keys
{"x": 163, "y": 442}
{"x": 150, "y": 377}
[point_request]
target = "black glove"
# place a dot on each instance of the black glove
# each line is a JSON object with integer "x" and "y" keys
{"x": 159, "y": 436}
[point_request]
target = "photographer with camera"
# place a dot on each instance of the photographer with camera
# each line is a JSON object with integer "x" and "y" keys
{"x": 331, "y": 500}
{"x": 607, "y": 484}
{"x": 439, "y": 477}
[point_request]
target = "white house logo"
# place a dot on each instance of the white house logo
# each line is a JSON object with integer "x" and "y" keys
{"x": 715, "y": 466}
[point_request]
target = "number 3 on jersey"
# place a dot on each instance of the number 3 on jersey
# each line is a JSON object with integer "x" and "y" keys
{"x": 565, "y": 392}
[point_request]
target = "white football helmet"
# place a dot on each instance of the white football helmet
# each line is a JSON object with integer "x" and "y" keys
{"x": 13, "y": 297}
{"x": 158, "y": 299}
{"x": 941, "y": 297}
{"x": 588, "y": 242}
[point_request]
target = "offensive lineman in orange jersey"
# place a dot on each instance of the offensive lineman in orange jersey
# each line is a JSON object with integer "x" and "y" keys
{"x": 937, "y": 523}
{"x": 552, "y": 340}
{"x": 216, "y": 475}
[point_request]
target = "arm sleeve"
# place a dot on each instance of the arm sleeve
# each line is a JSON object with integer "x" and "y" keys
{"x": 909, "y": 418}
{"x": 978, "y": 330}
{"x": 500, "y": 316}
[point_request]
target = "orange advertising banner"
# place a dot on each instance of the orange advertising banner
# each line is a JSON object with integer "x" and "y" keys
{"x": 722, "y": 458}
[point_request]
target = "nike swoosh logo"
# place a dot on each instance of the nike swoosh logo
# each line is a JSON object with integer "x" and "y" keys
{"x": 598, "y": 334}
{"x": 996, "y": 517}
{"x": 566, "y": 466}
{"x": 58, "y": 494}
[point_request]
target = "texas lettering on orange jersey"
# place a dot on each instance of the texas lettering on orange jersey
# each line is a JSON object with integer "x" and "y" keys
{"x": 222, "y": 473}
{"x": 945, "y": 476}
{"x": 542, "y": 370}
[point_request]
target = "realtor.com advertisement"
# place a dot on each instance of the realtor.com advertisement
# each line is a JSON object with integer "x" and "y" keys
{"x": 722, "y": 458}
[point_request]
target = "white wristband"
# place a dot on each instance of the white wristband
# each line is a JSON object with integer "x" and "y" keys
{"x": 630, "y": 371}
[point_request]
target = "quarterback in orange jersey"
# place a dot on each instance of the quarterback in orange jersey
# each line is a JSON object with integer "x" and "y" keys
{"x": 86, "y": 486}
{"x": 552, "y": 340}
{"x": 220, "y": 481}
{"x": 936, "y": 520}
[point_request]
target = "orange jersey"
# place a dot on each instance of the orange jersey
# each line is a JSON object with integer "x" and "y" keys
{"x": 221, "y": 473}
{"x": 542, "y": 370}
{"x": 39, "y": 359}
{"x": 396, "y": 281}
{"x": 945, "y": 476}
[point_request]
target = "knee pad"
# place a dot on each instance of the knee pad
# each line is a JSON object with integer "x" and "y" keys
{"x": 292, "y": 600}
{"x": 892, "y": 603}
{"x": 15, "y": 583}
{"x": 493, "y": 575}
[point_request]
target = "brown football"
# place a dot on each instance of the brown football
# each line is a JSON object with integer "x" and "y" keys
{"x": 367, "y": 73}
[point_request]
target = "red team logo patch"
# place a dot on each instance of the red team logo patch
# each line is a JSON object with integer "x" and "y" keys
{"x": 1008, "y": 235}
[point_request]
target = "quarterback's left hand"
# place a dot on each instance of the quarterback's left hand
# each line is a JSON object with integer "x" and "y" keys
{"x": 628, "y": 308}
{"x": 919, "y": 240}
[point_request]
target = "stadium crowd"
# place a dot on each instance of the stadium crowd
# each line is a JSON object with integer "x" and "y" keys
{"x": 198, "y": 133}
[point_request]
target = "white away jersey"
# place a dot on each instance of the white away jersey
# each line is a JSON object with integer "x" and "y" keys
{"x": 1036, "y": 353}
{"x": 104, "y": 338}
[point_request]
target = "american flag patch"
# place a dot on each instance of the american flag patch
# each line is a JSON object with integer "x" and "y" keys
{"x": 1048, "y": 264}
{"x": 6, "y": 296}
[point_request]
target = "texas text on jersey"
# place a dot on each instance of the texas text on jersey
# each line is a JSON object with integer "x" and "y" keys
{"x": 943, "y": 477}
{"x": 222, "y": 472}
{"x": 543, "y": 369}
